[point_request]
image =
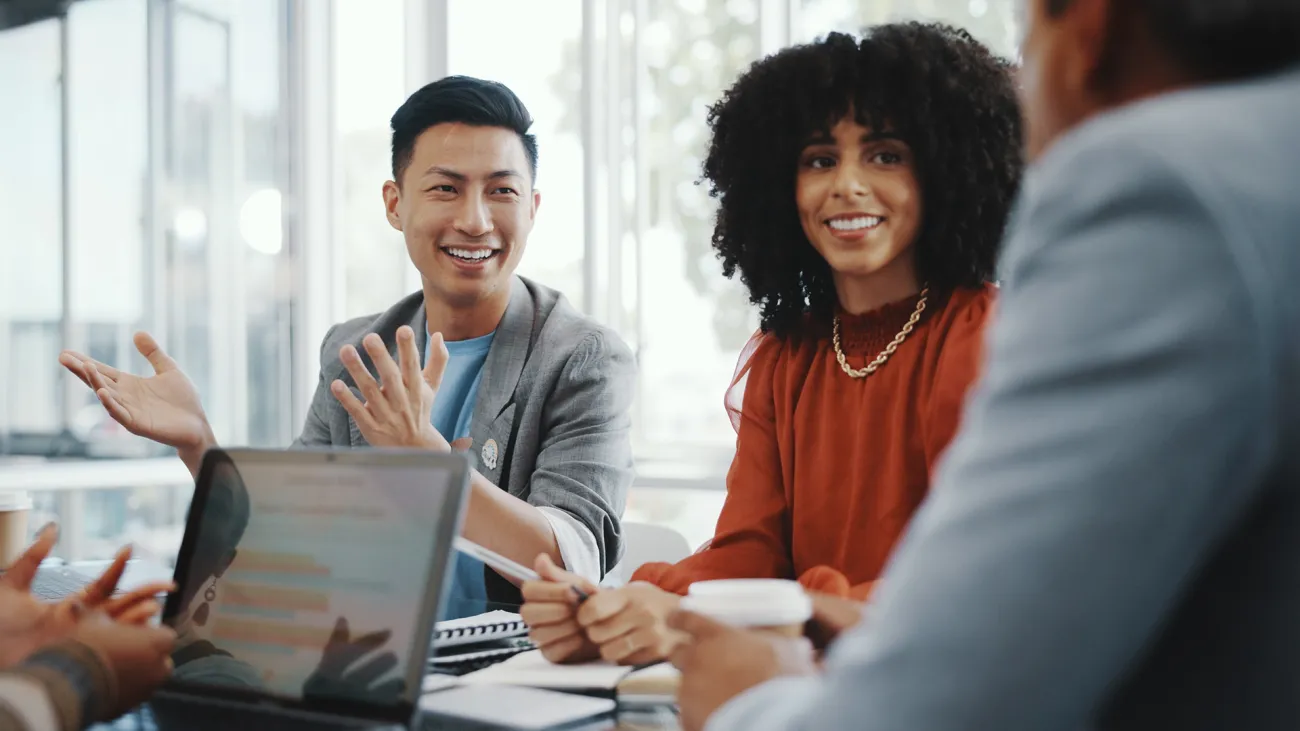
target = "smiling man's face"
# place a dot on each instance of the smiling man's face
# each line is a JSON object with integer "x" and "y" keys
{"x": 465, "y": 205}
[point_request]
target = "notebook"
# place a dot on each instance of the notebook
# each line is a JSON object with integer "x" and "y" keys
{"x": 495, "y": 625}
{"x": 531, "y": 669}
{"x": 468, "y": 644}
{"x": 517, "y": 708}
{"x": 464, "y": 659}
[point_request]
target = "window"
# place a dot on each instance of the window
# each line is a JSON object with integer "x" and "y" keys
{"x": 693, "y": 321}
{"x": 538, "y": 55}
{"x": 31, "y": 250}
{"x": 369, "y": 87}
{"x": 169, "y": 170}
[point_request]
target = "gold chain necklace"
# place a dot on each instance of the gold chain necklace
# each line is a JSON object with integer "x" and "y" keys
{"x": 874, "y": 365}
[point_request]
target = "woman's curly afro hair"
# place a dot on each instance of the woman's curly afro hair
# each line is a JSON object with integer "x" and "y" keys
{"x": 946, "y": 95}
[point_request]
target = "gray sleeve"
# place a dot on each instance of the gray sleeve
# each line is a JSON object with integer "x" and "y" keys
{"x": 1122, "y": 425}
{"x": 316, "y": 430}
{"x": 584, "y": 464}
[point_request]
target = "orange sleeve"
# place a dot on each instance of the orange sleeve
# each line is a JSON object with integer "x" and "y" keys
{"x": 826, "y": 580}
{"x": 956, "y": 371}
{"x": 752, "y": 538}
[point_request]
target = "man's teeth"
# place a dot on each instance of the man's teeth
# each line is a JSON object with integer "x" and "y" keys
{"x": 855, "y": 224}
{"x": 471, "y": 254}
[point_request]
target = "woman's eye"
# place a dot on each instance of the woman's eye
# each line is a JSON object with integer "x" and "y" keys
{"x": 887, "y": 158}
{"x": 821, "y": 162}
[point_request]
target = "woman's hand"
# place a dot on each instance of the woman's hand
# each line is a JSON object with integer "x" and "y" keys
{"x": 550, "y": 610}
{"x": 629, "y": 624}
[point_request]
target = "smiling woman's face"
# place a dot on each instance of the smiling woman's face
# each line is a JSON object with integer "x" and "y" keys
{"x": 859, "y": 203}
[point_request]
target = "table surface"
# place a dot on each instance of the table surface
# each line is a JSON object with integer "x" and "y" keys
{"x": 661, "y": 719}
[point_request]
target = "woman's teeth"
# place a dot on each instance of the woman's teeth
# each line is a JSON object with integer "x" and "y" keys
{"x": 854, "y": 224}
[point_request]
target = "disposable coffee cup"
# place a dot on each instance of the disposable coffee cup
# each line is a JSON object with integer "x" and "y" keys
{"x": 15, "y": 507}
{"x": 773, "y": 605}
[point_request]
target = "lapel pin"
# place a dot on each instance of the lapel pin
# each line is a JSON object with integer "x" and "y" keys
{"x": 490, "y": 454}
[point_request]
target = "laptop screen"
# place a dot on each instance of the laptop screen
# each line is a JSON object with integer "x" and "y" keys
{"x": 311, "y": 579}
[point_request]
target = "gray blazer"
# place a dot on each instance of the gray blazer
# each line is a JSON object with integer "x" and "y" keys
{"x": 554, "y": 401}
{"x": 1113, "y": 538}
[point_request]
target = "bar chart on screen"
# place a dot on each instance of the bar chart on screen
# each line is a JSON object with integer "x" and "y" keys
{"x": 320, "y": 555}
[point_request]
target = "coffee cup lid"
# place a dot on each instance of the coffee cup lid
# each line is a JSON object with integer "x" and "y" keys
{"x": 750, "y": 602}
{"x": 15, "y": 500}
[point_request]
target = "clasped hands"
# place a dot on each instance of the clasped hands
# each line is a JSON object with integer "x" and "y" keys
{"x": 641, "y": 623}
{"x": 115, "y": 628}
{"x": 397, "y": 405}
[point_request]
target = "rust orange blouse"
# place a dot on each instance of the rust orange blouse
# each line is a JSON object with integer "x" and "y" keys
{"x": 829, "y": 469}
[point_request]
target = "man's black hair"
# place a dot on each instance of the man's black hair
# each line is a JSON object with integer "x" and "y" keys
{"x": 462, "y": 99}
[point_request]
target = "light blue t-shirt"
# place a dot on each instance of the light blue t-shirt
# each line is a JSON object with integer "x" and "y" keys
{"x": 453, "y": 409}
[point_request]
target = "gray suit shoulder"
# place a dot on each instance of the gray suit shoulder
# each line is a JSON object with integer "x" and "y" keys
{"x": 351, "y": 331}
{"x": 1230, "y": 140}
{"x": 569, "y": 331}
{"x": 1226, "y": 150}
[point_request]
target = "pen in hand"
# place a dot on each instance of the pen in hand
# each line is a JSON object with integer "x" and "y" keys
{"x": 505, "y": 566}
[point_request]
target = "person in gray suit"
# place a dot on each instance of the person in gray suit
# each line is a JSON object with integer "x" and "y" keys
{"x": 482, "y": 358}
{"x": 1113, "y": 540}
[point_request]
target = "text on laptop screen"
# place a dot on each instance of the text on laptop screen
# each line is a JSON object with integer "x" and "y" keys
{"x": 308, "y": 581}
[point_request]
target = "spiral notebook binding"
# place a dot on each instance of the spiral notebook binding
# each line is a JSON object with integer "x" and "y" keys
{"x": 481, "y": 630}
{"x": 460, "y": 664}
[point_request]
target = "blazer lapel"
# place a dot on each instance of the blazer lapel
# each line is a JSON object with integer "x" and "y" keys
{"x": 501, "y": 371}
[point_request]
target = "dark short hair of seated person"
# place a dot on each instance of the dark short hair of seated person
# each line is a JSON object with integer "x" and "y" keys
{"x": 460, "y": 100}
{"x": 935, "y": 87}
{"x": 226, "y": 513}
{"x": 225, "y": 518}
{"x": 1218, "y": 40}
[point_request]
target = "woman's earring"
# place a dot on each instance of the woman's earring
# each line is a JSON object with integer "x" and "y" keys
{"x": 209, "y": 595}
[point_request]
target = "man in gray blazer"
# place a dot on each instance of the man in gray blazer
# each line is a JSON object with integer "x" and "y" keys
{"x": 481, "y": 358}
{"x": 1113, "y": 540}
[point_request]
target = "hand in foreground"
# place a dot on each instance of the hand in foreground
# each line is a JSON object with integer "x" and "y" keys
{"x": 550, "y": 610}
{"x": 396, "y": 409}
{"x": 164, "y": 407}
{"x": 832, "y": 616}
{"x": 27, "y": 623}
{"x": 335, "y": 677}
{"x": 719, "y": 662}
{"x": 138, "y": 656}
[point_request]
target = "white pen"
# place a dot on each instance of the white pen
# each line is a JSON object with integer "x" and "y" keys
{"x": 505, "y": 566}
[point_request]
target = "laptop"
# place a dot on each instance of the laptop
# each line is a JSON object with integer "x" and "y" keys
{"x": 309, "y": 583}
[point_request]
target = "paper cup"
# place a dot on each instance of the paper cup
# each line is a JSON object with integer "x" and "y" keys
{"x": 15, "y": 507}
{"x": 773, "y": 605}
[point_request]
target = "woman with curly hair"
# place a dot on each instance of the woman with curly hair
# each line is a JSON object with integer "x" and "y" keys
{"x": 864, "y": 188}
